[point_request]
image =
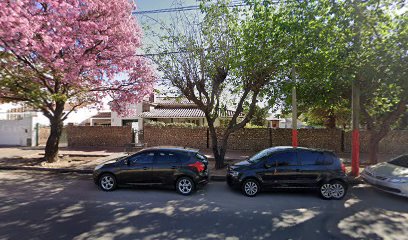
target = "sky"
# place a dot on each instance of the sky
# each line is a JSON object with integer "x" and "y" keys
{"x": 152, "y": 21}
{"x": 144, "y": 5}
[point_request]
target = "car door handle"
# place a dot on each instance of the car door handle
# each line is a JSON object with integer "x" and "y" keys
{"x": 145, "y": 168}
{"x": 173, "y": 167}
{"x": 297, "y": 170}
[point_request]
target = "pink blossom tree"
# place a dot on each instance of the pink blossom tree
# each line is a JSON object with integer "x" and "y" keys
{"x": 55, "y": 54}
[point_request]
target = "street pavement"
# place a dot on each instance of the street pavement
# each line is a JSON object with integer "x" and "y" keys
{"x": 38, "y": 205}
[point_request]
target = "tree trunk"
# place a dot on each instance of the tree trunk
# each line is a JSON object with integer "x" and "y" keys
{"x": 57, "y": 123}
{"x": 376, "y": 136}
{"x": 330, "y": 122}
{"x": 51, "y": 149}
{"x": 373, "y": 147}
{"x": 219, "y": 159}
{"x": 222, "y": 152}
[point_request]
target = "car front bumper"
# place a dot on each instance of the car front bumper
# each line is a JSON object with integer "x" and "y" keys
{"x": 233, "y": 182}
{"x": 400, "y": 189}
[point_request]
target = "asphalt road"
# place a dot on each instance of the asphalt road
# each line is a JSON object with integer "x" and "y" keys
{"x": 36, "y": 205}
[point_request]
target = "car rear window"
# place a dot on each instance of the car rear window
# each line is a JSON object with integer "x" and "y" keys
{"x": 401, "y": 161}
{"x": 310, "y": 158}
{"x": 316, "y": 158}
{"x": 328, "y": 159}
{"x": 201, "y": 157}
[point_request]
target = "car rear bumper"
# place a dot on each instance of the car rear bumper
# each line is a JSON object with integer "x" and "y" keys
{"x": 202, "y": 179}
{"x": 400, "y": 189}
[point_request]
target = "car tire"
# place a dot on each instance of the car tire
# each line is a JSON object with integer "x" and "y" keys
{"x": 185, "y": 186}
{"x": 338, "y": 189}
{"x": 250, "y": 187}
{"x": 107, "y": 182}
{"x": 325, "y": 191}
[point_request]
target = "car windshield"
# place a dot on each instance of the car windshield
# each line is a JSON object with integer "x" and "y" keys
{"x": 259, "y": 156}
{"x": 121, "y": 158}
{"x": 401, "y": 161}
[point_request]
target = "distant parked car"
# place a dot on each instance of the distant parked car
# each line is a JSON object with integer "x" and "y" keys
{"x": 288, "y": 167}
{"x": 389, "y": 176}
{"x": 185, "y": 169}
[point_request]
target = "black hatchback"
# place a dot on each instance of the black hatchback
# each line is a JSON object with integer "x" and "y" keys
{"x": 185, "y": 169}
{"x": 288, "y": 167}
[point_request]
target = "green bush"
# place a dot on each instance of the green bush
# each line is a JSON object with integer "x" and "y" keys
{"x": 249, "y": 125}
{"x": 177, "y": 124}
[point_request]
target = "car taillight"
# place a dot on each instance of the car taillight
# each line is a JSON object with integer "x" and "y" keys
{"x": 343, "y": 167}
{"x": 198, "y": 165}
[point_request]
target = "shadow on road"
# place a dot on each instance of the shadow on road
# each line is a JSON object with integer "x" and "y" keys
{"x": 48, "y": 206}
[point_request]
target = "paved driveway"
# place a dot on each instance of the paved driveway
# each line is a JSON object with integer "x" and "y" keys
{"x": 48, "y": 206}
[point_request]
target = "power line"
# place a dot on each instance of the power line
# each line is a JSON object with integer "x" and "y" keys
{"x": 158, "y": 54}
{"x": 182, "y": 9}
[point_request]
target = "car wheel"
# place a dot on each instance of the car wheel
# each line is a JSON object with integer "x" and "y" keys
{"x": 325, "y": 191}
{"x": 107, "y": 182}
{"x": 338, "y": 190}
{"x": 185, "y": 186}
{"x": 250, "y": 187}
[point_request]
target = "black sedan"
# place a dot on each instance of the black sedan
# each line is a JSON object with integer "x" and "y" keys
{"x": 185, "y": 169}
{"x": 288, "y": 167}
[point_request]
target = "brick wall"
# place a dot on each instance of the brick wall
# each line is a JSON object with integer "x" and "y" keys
{"x": 88, "y": 136}
{"x": 261, "y": 138}
{"x": 247, "y": 139}
{"x": 175, "y": 136}
{"x": 396, "y": 142}
{"x": 330, "y": 139}
{"x": 252, "y": 139}
{"x": 43, "y": 134}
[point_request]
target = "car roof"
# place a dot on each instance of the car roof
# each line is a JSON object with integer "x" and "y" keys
{"x": 283, "y": 148}
{"x": 171, "y": 148}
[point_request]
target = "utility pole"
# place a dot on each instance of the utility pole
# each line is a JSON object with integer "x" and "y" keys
{"x": 355, "y": 148}
{"x": 294, "y": 110}
{"x": 355, "y": 101}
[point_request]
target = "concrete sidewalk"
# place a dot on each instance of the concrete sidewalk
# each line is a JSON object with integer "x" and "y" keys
{"x": 81, "y": 160}
{"x": 84, "y": 160}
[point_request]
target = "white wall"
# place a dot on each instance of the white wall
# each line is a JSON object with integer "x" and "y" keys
{"x": 116, "y": 119}
{"x": 16, "y": 132}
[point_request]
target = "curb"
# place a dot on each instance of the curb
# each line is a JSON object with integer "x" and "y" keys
{"x": 216, "y": 178}
{"x": 219, "y": 178}
{"x": 80, "y": 155}
{"x": 55, "y": 170}
{"x": 354, "y": 181}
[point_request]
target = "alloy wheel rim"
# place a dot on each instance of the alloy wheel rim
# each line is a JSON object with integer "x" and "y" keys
{"x": 185, "y": 186}
{"x": 325, "y": 189}
{"x": 251, "y": 188}
{"x": 107, "y": 182}
{"x": 337, "y": 190}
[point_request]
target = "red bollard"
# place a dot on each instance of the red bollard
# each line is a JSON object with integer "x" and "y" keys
{"x": 355, "y": 153}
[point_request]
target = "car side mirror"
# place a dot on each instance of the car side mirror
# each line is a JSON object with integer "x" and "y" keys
{"x": 126, "y": 161}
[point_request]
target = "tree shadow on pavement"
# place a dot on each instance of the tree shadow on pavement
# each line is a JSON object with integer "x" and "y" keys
{"x": 50, "y": 206}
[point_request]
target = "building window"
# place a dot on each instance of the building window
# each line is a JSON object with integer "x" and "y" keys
{"x": 128, "y": 122}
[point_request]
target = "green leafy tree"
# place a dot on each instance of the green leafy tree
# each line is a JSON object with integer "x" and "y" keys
{"x": 314, "y": 40}
{"x": 379, "y": 63}
{"x": 333, "y": 43}
{"x": 221, "y": 53}
{"x": 259, "y": 116}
